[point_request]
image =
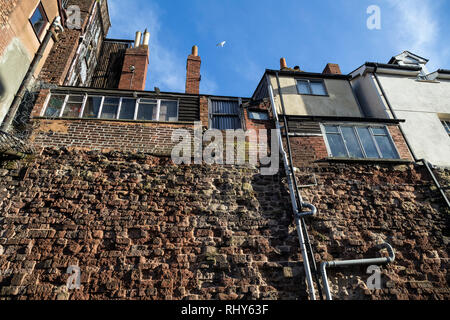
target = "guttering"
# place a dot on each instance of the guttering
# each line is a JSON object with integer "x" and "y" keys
{"x": 424, "y": 161}
{"x": 308, "y": 74}
{"x": 7, "y": 122}
{"x": 345, "y": 119}
{"x": 295, "y": 194}
{"x": 345, "y": 263}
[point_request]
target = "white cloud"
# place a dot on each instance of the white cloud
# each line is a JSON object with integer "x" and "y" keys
{"x": 417, "y": 29}
{"x": 167, "y": 68}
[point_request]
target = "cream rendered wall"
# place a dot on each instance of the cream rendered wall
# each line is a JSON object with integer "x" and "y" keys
{"x": 422, "y": 104}
{"x": 17, "y": 57}
{"x": 340, "y": 102}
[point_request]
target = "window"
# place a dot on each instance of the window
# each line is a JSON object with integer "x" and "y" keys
{"x": 258, "y": 115}
{"x": 110, "y": 108}
{"x": 54, "y": 105}
{"x": 311, "y": 87}
{"x": 39, "y": 20}
{"x": 225, "y": 115}
{"x": 168, "y": 111}
{"x": 127, "y": 109}
{"x": 73, "y": 106}
{"x": 92, "y": 107}
{"x": 101, "y": 107}
{"x": 446, "y": 126}
{"x": 147, "y": 109}
{"x": 360, "y": 142}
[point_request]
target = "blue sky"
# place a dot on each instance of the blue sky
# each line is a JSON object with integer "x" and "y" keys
{"x": 258, "y": 32}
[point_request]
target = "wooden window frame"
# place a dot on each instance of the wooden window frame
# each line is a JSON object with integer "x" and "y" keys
{"x": 41, "y": 9}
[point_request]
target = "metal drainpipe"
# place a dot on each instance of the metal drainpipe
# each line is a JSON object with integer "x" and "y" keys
{"x": 424, "y": 161}
{"x": 299, "y": 196}
{"x": 7, "y": 122}
{"x": 333, "y": 264}
{"x": 298, "y": 215}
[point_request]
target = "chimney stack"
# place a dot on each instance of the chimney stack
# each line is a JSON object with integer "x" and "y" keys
{"x": 332, "y": 68}
{"x": 283, "y": 64}
{"x": 193, "y": 76}
{"x": 135, "y": 64}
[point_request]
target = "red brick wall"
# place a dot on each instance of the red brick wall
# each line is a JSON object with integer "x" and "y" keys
{"x": 6, "y": 8}
{"x": 60, "y": 58}
{"x": 6, "y": 34}
{"x": 137, "y": 57}
{"x": 63, "y": 52}
{"x": 204, "y": 111}
{"x": 258, "y": 124}
{"x": 193, "y": 74}
{"x": 332, "y": 68}
{"x": 400, "y": 143}
{"x": 307, "y": 149}
{"x": 86, "y": 134}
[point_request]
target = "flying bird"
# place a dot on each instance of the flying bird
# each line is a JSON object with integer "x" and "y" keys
{"x": 222, "y": 44}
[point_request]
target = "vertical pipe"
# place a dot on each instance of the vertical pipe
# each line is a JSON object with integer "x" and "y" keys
{"x": 298, "y": 222}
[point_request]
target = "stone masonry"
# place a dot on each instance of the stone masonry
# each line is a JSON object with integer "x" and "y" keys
{"x": 141, "y": 228}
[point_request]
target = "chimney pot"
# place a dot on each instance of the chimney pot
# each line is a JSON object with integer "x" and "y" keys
{"x": 137, "y": 41}
{"x": 146, "y": 38}
{"x": 195, "y": 51}
{"x": 283, "y": 63}
{"x": 297, "y": 68}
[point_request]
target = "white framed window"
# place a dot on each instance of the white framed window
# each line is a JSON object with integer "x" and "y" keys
{"x": 109, "y": 107}
{"x": 358, "y": 141}
{"x": 311, "y": 87}
{"x": 258, "y": 115}
{"x": 446, "y": 124}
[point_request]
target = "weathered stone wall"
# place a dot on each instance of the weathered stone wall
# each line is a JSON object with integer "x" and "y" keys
{"x": 140, "y": 228}
{"x": 361, "y": 206}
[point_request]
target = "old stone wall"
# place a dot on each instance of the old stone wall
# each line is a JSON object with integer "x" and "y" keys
{"x": 141, "y": 228}
{"x": 361, "y": 206}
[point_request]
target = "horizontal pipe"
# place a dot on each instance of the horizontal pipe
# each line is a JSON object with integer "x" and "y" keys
{"x": 343, "y": 263}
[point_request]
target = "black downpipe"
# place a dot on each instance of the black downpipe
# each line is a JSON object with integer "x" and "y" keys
{"x": 298, "y": 195}
{"x": 424, "y": 161}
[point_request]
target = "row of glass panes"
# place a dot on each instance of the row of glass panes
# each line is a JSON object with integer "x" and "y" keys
{"x": 360, "y": 142}
{"x": 102, "y": 107}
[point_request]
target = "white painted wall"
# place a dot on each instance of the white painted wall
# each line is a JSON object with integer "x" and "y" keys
{"x": 422, "y": 104}
{"x": 340, "y": 100}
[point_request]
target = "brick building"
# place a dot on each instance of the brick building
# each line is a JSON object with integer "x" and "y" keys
{"x": 102, "y": 193}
